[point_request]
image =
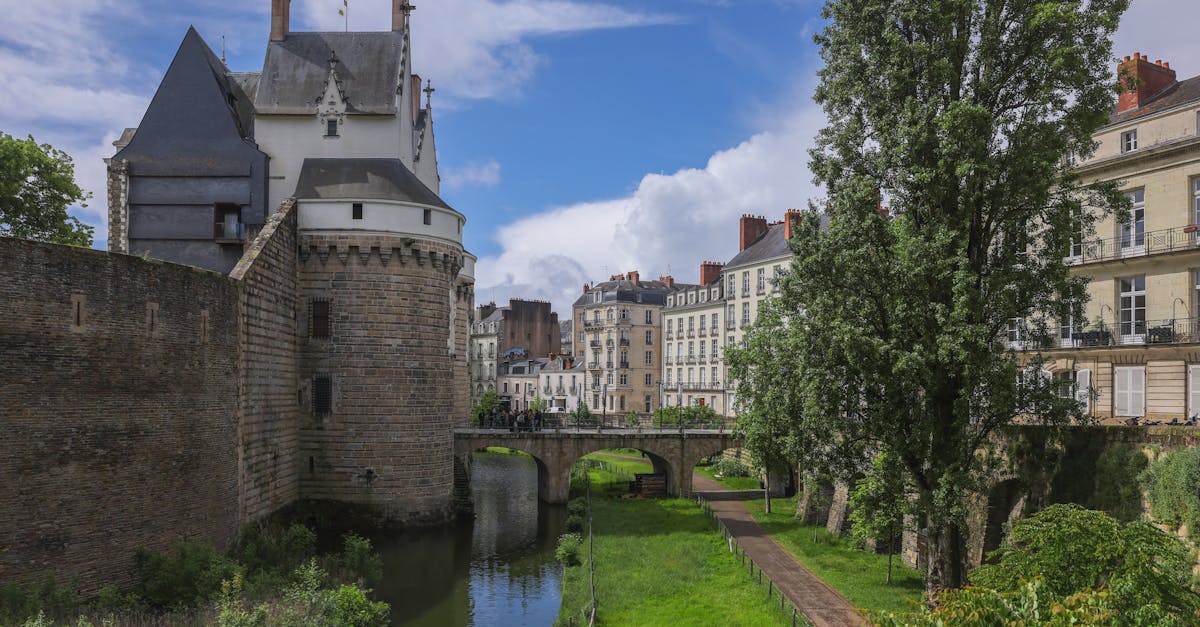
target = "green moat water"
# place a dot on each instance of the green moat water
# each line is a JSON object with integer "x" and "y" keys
{"x": 497, "y": 570}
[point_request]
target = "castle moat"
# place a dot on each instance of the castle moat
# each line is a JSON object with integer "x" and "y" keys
{"x": 496, "y": 570}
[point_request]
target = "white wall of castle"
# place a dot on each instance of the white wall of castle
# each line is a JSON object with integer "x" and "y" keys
{"x": 289, "y": 139}
{"x": 381, "y": 217}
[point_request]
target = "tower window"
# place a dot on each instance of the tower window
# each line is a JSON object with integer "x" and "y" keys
{"x": 319, "y": 320}
{"x": 428, "y": 216}
{"x": 356, "y": 211}
{"x": 331, "y": 128}
{"x": 322, "y": 395}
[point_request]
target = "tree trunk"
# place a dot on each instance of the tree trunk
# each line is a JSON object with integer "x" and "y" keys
{"x": 947, "y": 559}
{"x": 891, "y": 551}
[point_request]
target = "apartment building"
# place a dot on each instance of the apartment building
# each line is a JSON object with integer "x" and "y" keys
{"x": 517, "y": 382}
{"x": 561, "y": 383}
{"x": 617, "y": 325}
{"x": 693, "y": 335}
{"x": 1136, "y": 346}
{"x": 528, "y": 325}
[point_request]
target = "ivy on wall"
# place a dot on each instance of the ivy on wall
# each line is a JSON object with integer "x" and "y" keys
{"x": 1172, "y": 485}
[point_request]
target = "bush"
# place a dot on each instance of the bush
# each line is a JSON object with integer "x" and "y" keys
{"x": 690, "y": 417}
{"x": 348, "y": 606}
{"x": 731, "y": 467}
{"x": 189, "y": 575}
{"x": 233, "y": 611}
{"x": 21, "y": 601}
{"x": 1117, "y": 490}
{"x": 1172, "y": 482}
{"x": 577, "y": 506}
{"x": 632, "y": 420}
{"x": 574, "y": 523}
{"x": 567, "y": 551}
{"x": 360, "y": 560}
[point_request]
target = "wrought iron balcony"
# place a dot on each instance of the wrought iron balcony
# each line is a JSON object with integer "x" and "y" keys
{"x": 730, "y": 325}
{"x": 702, "y": 332}
{"x": 1132, "y": 245}
{"x": 691, "y": 359}
{"x": 1100, "y": 334}
{"x": 591, "y": 324}
{"x": 691, "y": 333}
{"x": 714, "y": 330}
{"x": 670, "y": 335}
{"x": 624, "y": 365}
{"x": 594, "y": 343}
{"x": 714, "y": 359}
{"x": 623, "y": 341}
{"x": 592, "y": 365}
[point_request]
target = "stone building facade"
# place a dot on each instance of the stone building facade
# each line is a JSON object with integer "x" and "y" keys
{"x": 1135, "y": 346}
{"x": 528, "y": 325}
{"x": 618, "y": 325}
{"x": 561, "y": 383}
{"x": 693, "y": 332}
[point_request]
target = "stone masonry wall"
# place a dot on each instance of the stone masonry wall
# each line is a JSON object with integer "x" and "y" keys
{"x": 268, "y": 412}
{"x": 118, "y": 410}
{"x": 387, "y": 444}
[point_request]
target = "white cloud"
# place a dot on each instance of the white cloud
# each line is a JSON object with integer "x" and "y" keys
{"x": 477, "y": 174}
{"x": 477, "y": 48}
{"x": 1161, "y": 29}
{"x": 670, "y": 223}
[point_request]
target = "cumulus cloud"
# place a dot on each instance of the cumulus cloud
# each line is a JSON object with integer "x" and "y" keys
{"x": 1161, "y": 29}
{"x": 670, "y": 223}
{"x": 472, "y": 174}
{"x": 478, "y": 48}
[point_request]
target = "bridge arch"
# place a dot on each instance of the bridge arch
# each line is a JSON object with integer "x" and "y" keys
{"x": 555, "y": 452}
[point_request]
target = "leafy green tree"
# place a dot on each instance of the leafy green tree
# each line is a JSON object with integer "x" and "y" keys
{"x": 1173, "y": 489}
{"x": 1075, "y": 550}
{"x": 878, "y": 504}
{"x": 538, "y": 404}
{"x": 983, "y": 606}
{"x": 37, "y": 185}
{"x": 960, "y": 114}
{"x": 488, "y": 402}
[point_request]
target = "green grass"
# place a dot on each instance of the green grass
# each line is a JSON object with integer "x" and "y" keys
{"x": 628, "y": 465}
{"x": 500, "y": 450}
{"x": 660, "y": 562}
{"x": 730, "y": 483}
{"x": 631, "y": 452}
{"x": 858, "y": 575}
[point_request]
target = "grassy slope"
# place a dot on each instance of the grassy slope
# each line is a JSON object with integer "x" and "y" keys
{"x": 731, "y": 483}
{"x": 858, "y": 575}
{"x": 659, "y": 562}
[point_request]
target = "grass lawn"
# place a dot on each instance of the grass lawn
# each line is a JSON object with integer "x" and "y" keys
{"x": 500, "y": 450}
{"x": 659, "y": 562}
{"x": 731, "y": 483}
{"x": 858, "y": 575}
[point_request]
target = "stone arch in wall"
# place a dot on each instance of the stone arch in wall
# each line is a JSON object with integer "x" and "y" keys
{"x": 1005, "y": 500}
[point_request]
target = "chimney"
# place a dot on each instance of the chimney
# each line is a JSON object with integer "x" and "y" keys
{"x": 751, "y": 228}
{"x": 400, "y": 9}
{"x": 586, "y": 288}
{"x": 668, "y": 279}
{"x": 633, "y": 278}
{"x": 280, "y": 19}
{"x": 710, "y": 271}
{"x": 1141, "y": 80}
{"x": 790, "y": 218}
{"x": 617, "y": 277}
{"x": 415, "y": 88}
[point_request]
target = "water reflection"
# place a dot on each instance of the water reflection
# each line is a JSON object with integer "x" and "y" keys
{"x": 498, "y": 570}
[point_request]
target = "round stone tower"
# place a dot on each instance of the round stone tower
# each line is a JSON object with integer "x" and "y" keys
{"x": 386, "y": 289}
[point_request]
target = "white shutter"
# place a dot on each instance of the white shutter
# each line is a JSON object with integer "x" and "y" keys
{"x": 1083, "y": 389}
{"x": 1138, "y": 389}
{"x": 1130, "y": 397}
{"x": 1193, "y": 390}
{"x": 1121, "y": 391}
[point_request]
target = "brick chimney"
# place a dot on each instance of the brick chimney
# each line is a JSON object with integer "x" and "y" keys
{"x": 617, "y": 277}
{"x": 400, "y": 9}
{"x": 415, "y": 88}
{"x": 668, "y": 280}
{"x": 633, "y": 277}
{"x": 790, "y": 218}
{"x": 1141, "y": 80}
{"x": 710, "y": 271}
{"x": 751, "y": 228}
{"x": 280, "y": 19}
{"x": 586, "y": 288}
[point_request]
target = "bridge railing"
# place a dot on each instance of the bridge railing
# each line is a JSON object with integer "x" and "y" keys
{"x": 598, "y": 422}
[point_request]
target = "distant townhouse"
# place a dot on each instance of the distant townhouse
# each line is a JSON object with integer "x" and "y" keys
{"x": 561, "y": 383}
{"x": 517, "y": 383}
{"x": 617, "y": 326}
{"x": 526, "y": 324}
{"x": 693, "y": 332}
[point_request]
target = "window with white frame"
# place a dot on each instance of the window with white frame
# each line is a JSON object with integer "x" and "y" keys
{"x": 1133, "y": 307}
{"x": 746, "y": 283}
{"x": 1193, "y": 383}
{"x": 649, "y": 317}
{"x": 649, "y": 337}
{"x": 762, "y": 280}
{"x": 1129, "y": 140}
{"x": 1083, "y": 389}
{"x": 1196, "y": 200}
{"x": 1129, "y": 391}
{"x": 649, "y": 358}
{"x": 1133, "y": 233}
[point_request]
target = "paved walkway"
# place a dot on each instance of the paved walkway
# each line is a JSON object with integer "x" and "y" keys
{"x": 821, "y": 604}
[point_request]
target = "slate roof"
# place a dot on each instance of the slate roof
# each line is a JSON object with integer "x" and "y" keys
{"x": 296, "y": 69}
{"x": 769, "y": 246}
{"x": 1181, "y": 92}
{"x": 384, "y": 179}
{"x": 624, "y": 291}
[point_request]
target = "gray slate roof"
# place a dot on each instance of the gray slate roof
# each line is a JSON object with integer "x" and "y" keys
{"x": 384, "y": 179}
{"x": 769, "y": 246}
{"x": 296, "y": 69}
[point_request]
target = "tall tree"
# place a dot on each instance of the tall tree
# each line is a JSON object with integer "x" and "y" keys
{"x": 37, "y": 185}
{"x": 960, "y": 114}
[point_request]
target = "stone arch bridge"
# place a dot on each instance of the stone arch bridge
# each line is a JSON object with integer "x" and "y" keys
{"x": 673, "y": 453}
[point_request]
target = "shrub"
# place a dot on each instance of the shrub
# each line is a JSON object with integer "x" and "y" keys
{"x": 360, "y": 560}
{"x": 348, "y": 606}
{"x": 21, "y": 601}
{"x": 567, "y": 551}
{"x": 1117, "y": 491}
{"x": 233, "y": 611}
{"x": 574, "y": 523}
{"x": 731, "y": 467}
{"x": 189, "y": 575}
{"x": 1172, "y": 482}
{"x": 632, "y": 420}
{"x": 298, "y": 546}
{"x": 577, "y": 506}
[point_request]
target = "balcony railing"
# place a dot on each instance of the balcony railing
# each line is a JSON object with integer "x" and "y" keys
{"x": 1132, "y": 333}
{"x": 623, "y": 365}
{"x": 670, "y": 335}
{"x": 703, "y": 332}
{"x": 713, "y": 330}
{"x": 691, "y": 359}
{"x": 745, "y": 322}
{"x": 591, "y": 324}
{"x": 594, "y": 343}
{"x": 668, "y": 361}
{"x": 730, "y": 325}
{"x": 714, "y": 358}
{"x": 608, "y": 343}
{"x": 623, "y": 341}
{"x": 691, "y": 333}
{"x": 1136, "y": 245}
{"x": 592, "y": 365}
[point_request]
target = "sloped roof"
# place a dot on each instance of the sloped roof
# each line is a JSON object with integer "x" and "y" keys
{"x": 296, "y": 69}
{"x": 384, "y": 179}
{"x": 1181, "y": 92}
{"x": 769, "y": 246}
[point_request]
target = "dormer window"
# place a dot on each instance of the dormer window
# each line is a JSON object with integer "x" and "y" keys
{"x": 331, "y": 128}
{"x": 1129, "y": 141}
{"x": 227, "y": 223}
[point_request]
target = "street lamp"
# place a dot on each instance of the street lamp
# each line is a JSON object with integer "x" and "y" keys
{"x": 679, "y": 399}
{"x": 604, "y": 402}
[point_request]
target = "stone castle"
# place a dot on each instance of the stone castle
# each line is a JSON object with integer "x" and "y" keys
{"x": 287, "y": 328}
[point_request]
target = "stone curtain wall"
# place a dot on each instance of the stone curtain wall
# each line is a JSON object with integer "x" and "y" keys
{"x": 268, "y": 411}
{"x": 118, "y": 419}
{"x": 387, "y": 442}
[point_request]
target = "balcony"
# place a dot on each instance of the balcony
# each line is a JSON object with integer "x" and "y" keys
{"x": 229, "y": 232}
{"x": 714, "y": 359}
{"x": 608, "y": 365}
{"x": 714, "y": 330}
{"x": 730, "y": 325}
{"x": 701, "y": 359}
{"x": 609, "y": 343}
{"x": 560, "y": 390}
{"x": 1108, "y": 334}
{"x": 623, "y": 341}
{"x": 668, "y": 361}
{"x": 592, "y": 324}
{"x": 691, "y": 359}
{"x": 623, "y": 365}
{"x": 546, "y": 390}
{"x": 745, "y": 322}
{"x": 1179, "y": 239}
{"x": 594, "y": 343}
{"x": 670, "y": 335}
{"x": 703, "y": 332}
{"x": 592, "y": 365}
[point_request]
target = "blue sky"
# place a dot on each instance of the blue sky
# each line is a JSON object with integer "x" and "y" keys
{"x": 580, "y": 138}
